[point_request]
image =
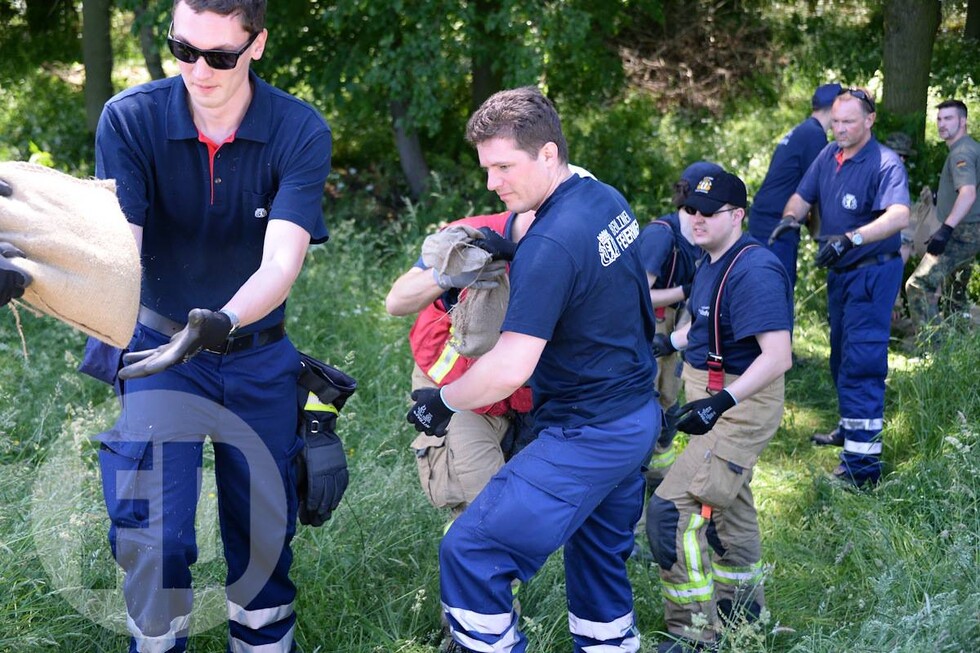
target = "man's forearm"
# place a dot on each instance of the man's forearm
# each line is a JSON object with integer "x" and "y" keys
{"x": 965, "y": 197}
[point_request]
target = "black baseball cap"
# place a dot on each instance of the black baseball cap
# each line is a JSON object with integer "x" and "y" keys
{"x": 716, "y": 190}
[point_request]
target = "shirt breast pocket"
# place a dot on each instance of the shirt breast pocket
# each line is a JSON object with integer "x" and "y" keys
{"x": 256, "y": 206}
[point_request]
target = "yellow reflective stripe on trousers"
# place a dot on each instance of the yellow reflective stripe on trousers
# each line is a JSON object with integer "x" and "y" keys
{"x": 446, "y": 360}
{"x": 313, "y": 403}
{"x": 737, "y": 575}
{"x": 665, "y": 459}
{"x": 700, "y": 585}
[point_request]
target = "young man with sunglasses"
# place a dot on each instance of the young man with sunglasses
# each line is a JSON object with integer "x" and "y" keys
{"x": 221, "y": 177}
{"x": 862, "y": 189}
{"x": 702, "y": 520}
{"x": 670, "y": 258}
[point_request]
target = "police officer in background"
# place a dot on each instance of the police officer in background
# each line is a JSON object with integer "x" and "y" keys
{"x": 862, "y": 189}
{"x": 701, "y": 520}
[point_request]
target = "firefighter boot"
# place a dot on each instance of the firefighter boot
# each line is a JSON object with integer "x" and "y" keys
{"x": 832, "y": 439}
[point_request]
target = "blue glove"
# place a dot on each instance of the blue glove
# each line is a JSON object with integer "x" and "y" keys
{"x": 699, "y": 417}
{"x": 430, "y": 413}
{"x": 205, "y": 330}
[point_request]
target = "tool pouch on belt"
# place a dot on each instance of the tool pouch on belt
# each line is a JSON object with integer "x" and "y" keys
{"x": 322, "y": 390}
{"x": 724, "y": 468}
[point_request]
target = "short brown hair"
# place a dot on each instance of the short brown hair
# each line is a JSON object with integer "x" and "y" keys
{"x": 250, "y": 12}
{"x": 523, "y": 114}
{"x": 954, "y": 104}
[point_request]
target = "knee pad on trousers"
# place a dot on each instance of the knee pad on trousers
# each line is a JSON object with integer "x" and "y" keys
{"x": 662, "y": 520}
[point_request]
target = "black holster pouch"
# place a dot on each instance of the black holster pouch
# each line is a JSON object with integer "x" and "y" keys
{"x": 321, "y": 391}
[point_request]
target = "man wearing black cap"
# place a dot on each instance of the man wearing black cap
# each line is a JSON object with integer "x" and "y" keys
{"x": 670, "y": 258}
{"x": 793, "y": 155}
{"x": 737, "y": 348}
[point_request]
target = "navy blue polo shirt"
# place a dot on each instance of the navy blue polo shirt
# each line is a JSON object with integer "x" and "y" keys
{"x": 659, "y": 240}
{"x": 577, "y": 281}
{"x": 856, "y": 192}
{"x": 204, "y": 208}
{"x": 791, "y": 158}
{"x": 756, "y": 298}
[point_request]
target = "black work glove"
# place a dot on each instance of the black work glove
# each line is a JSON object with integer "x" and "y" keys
{"x": 430, "y": 413}
{"x": 833, "y": 250}
{"x": 698, "y": 417}
{"x": 205, "y": 329}
{"x": 788, "y": 223}
{"x": 5, "y": 189}
{"x": 13, "y": 280}
{"x": 499, "y": 248}
{"x": 486, "y": 277}
{"x": 322, "y": 477}
{"x": 937, "y": 242}
{"x": 661, "y": 345}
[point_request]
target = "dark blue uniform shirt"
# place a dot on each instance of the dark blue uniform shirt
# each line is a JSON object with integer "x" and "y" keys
{"x": 577, "y": 281}
{"x": 659, "y": 240}
{"x": 756, "y": 298}
{"x": 204, "y": 211}
{"x": 855, "y": 193}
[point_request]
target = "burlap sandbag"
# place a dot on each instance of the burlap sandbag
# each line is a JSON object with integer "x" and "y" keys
{"x": 923, "y": 222}
{"x": 478, "y": 316}
{"x": 80, "y": 249}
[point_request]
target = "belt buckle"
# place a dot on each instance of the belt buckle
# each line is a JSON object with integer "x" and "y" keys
{"x": 222, "y": 349}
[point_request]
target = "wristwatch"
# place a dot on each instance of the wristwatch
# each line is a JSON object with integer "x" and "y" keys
{"x": 856, "y": 238}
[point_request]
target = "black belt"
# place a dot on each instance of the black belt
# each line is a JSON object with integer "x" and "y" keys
{"x": 875, "y": 259}
{"x": 153, "y": 320}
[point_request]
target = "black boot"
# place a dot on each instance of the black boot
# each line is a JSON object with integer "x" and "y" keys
{"x": 832, "y": 439}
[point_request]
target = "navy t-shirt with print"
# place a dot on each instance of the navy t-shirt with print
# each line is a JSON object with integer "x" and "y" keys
{"x": 577, "y": 281}
{"x": 658, "y": 242}
{"x": 756, "y": 298}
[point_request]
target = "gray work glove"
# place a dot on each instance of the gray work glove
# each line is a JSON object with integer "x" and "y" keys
{"x": 486, "y": 277}
{"x": 13, "y": 280}
{"x": 788, "y": 223}
{"x": 205, "y": 330}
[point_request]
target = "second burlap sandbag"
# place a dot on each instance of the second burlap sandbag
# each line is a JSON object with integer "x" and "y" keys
{"x": 80, "y": 250}
{"x": 477, "y": 318}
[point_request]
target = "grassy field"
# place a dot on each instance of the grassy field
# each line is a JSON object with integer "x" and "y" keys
{"x": 895, "y": 569}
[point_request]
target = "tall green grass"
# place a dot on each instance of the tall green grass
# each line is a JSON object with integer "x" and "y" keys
{"x": 890, "y": 570}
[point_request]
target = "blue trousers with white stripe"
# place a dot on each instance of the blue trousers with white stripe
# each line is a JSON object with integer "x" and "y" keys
{"x": 859, "y": 304}
{"x": 577, "y": 487}
{"x": 151, "y": 469}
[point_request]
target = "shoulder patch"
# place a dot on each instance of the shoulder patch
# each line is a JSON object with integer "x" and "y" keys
{"x": 961, "y": 163}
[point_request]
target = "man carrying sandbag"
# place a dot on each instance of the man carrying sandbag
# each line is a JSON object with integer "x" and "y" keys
{"x": 221, "y": 177}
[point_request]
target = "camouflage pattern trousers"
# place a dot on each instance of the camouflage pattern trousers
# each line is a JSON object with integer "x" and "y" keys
{"x": 922, "y": 286}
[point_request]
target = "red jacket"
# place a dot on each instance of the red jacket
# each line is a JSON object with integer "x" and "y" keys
{"x": 430, "y": 338}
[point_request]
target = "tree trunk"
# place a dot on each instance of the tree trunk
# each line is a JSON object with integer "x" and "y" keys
{"x": 97, "y": 57}
{"x": 409, "y": 151}
{"x": 972, "y": 28}
{"x": 148, "y": 42}
{"x": 485, "y": 47}
{"x": 910, "y": 32}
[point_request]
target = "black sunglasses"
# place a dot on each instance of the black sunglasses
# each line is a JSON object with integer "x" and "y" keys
{"x": 861, "y": 95}
{"x": 709, "y": 214}
{"x": 217, "y": 59}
